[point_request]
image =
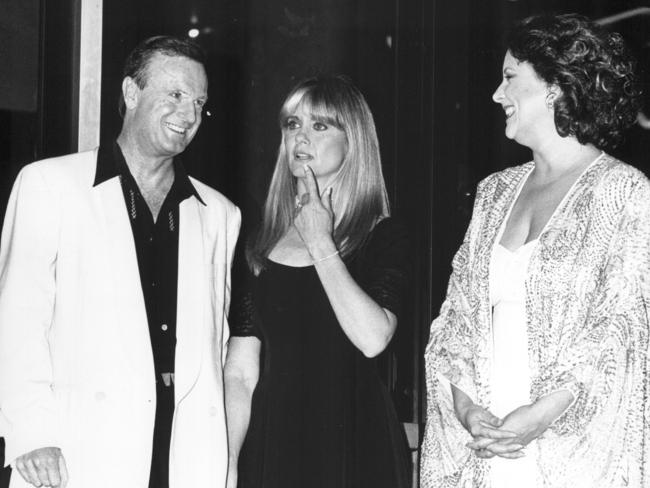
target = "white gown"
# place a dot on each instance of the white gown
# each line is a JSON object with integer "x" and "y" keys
{"x": 510, "y": 375}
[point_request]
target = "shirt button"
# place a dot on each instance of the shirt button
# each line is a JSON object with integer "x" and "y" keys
{"x": 164, "y": 327}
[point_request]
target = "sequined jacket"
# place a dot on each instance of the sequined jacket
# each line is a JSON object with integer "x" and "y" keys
{"x": 587, "y": 307}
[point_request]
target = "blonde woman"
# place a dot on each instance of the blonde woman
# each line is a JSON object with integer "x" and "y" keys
{"x": 328, "y": 267}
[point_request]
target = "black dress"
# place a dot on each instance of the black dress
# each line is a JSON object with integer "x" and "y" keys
{"x": 5, "y": 473}
{"x": 320, "y": 415}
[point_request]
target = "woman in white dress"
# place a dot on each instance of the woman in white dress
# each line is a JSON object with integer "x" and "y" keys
{"x": 537, "y": 367}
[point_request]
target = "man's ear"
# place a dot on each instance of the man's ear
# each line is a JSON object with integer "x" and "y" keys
{"x": 130, "y": 92}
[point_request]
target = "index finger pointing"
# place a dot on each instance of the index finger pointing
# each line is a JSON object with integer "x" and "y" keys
{"x": 310, "y": 181}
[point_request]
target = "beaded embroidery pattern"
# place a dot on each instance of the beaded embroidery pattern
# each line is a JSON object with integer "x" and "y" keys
{"x": 587, "y": 304}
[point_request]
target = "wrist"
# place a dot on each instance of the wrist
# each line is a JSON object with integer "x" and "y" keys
{"x": 461, "y": 408}
{"x": 322, "y": 250}
{"x": 462, "y": 403}
{"x": 548, "y": 408}
{"x": 325, "y": 258}
{"x": 233, "y": 458}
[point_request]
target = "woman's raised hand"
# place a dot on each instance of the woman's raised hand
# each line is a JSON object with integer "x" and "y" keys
{"x": 314, "y": 218}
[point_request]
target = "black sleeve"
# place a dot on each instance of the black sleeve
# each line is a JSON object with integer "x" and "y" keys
{"x": 243, "y": 316}
{"x": 386, "y": 266}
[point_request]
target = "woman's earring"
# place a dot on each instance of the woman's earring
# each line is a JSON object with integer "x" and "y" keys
{"x": 550, "y": 102}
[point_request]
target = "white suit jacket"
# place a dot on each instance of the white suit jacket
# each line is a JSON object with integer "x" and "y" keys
{"x": 76, "y": 366}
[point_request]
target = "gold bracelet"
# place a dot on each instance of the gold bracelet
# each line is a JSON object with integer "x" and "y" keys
{"x": 326, "y": 257}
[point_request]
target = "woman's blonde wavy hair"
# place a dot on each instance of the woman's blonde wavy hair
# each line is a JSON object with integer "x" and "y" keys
{"x": 359, "y": 197}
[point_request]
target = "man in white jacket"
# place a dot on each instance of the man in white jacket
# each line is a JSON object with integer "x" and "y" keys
{"x": 114, "y": 290}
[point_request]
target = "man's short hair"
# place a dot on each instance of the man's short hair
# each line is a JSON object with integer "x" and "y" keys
{"x": 137, "y": 62}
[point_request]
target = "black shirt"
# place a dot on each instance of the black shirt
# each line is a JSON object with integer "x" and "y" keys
{"x": 156, "y": 245}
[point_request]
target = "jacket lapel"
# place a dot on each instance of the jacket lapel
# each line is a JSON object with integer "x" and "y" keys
{"x": 192, "y": 286}
{"x": 504, "y": 195}
{"x": 498, "y": 199}
{"x": 122, "y": 270}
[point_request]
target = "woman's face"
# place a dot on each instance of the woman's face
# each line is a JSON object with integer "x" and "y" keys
{"x": 523, "y": 96}
{"x": 311, "y": 141}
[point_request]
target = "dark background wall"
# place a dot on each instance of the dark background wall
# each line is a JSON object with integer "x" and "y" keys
{"x": 37, "y": 55}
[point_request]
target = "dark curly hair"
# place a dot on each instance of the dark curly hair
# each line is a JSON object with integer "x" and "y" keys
{"x": 600, "y": 95}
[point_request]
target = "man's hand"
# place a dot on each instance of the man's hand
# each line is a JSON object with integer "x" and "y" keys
{"x": 43, "y": 467}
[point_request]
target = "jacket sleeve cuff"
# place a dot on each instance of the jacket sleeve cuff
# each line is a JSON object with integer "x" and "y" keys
{"x": 25, "y": 438}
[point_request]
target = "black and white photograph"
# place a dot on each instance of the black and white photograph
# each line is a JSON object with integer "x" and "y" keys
{"x": 325, "y": 243}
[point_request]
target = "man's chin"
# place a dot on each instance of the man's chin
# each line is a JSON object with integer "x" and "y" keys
{"x": 174, "y": 148}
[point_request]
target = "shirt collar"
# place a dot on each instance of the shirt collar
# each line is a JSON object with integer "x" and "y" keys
{"x": 111, "y": 163}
